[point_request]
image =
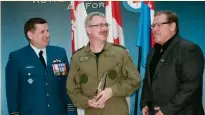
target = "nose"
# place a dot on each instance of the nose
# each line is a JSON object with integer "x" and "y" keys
{"x": 154, "y": 28}
{"x": 47, "y": 34}
{"x": 105, "y": 27}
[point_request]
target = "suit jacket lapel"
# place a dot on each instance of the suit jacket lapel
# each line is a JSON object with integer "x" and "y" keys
{"x": 164, "y": 58}
{"x": 149, "y": 59}
{"x": 148, "y": 64}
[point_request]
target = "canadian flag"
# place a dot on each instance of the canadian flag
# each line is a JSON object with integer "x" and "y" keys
{"x": 78, "y": 15}
{"x": 113, "y": 16}
{"x": 79, "y": 35}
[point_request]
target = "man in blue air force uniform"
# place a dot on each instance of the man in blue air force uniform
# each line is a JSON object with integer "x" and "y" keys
{"x": 36, "y": 75}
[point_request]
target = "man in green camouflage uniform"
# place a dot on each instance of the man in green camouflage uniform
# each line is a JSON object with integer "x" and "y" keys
{"x": 101, "y": 74}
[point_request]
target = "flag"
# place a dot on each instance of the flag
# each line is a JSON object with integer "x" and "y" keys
{"x": 78, "y": 15}
{"x": 144, "y": 40}
{"x": 79, "y": 35}
{"x": 144, "y": 35}
{"x": 113, "y": 16}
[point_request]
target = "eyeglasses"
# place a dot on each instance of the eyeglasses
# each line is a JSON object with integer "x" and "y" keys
{"x": 100, "y": 25}
{"x": 159, "y": 24}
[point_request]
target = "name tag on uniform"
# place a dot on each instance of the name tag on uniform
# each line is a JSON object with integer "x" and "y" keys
{"x": 84, "y": 58}
{"x": 28, "y": 67}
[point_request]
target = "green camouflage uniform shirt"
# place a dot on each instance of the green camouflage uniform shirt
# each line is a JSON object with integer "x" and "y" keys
{"x": 114, "y": 68}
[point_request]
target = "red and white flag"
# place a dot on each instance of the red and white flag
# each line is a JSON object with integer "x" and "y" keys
{"x": 113, "y": 16}
{"x": 78, "y": 15}
{"x": 152, "y": 8}
{"x": 79, "y": 35}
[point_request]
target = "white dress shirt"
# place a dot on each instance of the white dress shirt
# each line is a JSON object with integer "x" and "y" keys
{"x": 38, "y": 50}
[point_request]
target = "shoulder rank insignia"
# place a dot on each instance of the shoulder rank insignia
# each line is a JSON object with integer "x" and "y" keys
{"x": 127, "y": 51}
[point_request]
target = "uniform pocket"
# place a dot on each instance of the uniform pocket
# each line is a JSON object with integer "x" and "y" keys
{"x": 29, "y": 76}
{"x": 114, "y": 74}
{"x": 115, "y": 71}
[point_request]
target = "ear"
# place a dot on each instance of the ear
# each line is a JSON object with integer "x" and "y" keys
{"x": 88, "y": 30}
{"x": 30, "y": 35}
{"x": 173, "y": 26}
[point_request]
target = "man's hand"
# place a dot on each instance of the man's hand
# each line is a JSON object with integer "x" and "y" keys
{"x": 145, "y": 110}
{"x": 103, "y": 96}
{"x": 159, "y": 111}
{"x": 92, "y": 103}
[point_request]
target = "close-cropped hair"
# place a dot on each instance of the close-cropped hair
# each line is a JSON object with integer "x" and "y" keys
{"x": 30, "y": 24}
{"x": 91, "y": 15}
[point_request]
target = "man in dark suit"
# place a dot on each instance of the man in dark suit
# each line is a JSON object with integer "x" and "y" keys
{"x": 36, "y": 75}
{"x": 174, "y": 71}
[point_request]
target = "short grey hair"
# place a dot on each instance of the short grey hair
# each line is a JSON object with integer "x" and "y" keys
{"x": 91, "y": 15}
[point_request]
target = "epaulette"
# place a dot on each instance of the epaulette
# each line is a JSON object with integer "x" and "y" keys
{"x": 118, "y": 45}
{"x": 78, "y": 50}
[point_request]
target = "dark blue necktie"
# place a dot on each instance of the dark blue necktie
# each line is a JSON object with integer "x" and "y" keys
{"x": 42, "y": 59}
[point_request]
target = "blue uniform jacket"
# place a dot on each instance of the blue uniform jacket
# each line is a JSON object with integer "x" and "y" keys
{"x": 34, "y": 90}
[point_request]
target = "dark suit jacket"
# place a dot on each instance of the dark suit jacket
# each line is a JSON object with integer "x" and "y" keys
{"x": 177, "y": 82}
{"x": 32, "y": 89}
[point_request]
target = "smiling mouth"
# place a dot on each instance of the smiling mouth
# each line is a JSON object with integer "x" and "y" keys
{"x": 46, "y": 39}
{"x": 105, "y": 33}
{"x": 156, "y": 34}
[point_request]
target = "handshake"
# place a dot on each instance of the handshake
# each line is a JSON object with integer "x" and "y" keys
{"x": 100, "y": 99}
